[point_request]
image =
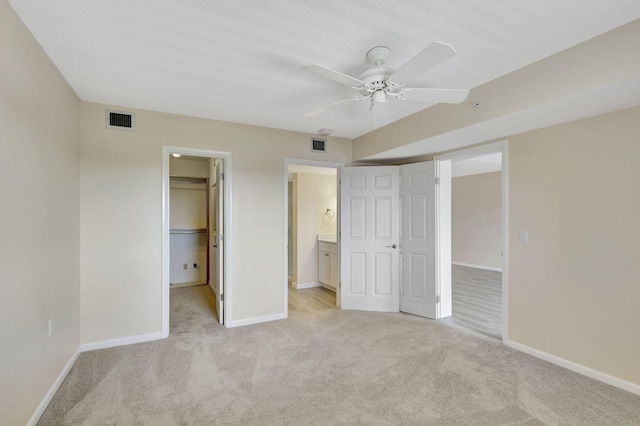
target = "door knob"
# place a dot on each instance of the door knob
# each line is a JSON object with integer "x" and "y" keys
{"x": 394, "y": 246}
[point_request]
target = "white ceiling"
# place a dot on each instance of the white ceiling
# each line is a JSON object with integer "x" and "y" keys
{"x": 242, "y": 61}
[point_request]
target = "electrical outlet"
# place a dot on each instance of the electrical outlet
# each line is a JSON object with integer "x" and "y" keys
{"x": 195, "y": 265}
{"x": 50, "y": 327}
{"x": 185, "y": 266}
{"x": 267, "y": 279}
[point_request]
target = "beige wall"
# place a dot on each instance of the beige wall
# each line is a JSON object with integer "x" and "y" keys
{"x": 574, "y": 288}
{"x": 476, "y": 219}
{"x": 40, "y": 243}
{"x": 121, "y": 215}
{"x": 188, "y": 167}
{"x": 188, "y": 205}
{"x": 314, "y": 194}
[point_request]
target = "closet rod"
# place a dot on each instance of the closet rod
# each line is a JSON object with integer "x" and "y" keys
{"x": 188, "y": 231}
{"x": 180, "y": 179}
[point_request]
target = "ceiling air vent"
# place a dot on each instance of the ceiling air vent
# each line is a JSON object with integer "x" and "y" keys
{"x": 318, "y": 145}
{"x": 120, "y": 120}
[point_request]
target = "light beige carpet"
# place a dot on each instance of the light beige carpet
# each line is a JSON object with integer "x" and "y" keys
{"x": 325, "y": 368}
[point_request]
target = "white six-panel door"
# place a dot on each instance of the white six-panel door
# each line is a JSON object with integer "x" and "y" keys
{"x": 417, "y": 242}
{"x": 369, "y": 238}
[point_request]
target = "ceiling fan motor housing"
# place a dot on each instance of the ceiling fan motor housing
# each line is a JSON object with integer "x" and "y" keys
{"x": 376, "y": 81}
{"x": 378, "y": 55}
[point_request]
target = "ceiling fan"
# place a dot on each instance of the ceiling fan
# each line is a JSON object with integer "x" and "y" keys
{"x": 379, "y": 83}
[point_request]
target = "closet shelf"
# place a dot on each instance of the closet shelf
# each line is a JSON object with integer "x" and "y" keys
{"x": 188, "y": 230}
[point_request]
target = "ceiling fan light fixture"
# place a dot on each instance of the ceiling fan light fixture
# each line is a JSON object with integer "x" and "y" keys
{"x": 378, "y": 97}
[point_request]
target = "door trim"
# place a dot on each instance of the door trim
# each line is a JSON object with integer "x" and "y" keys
{"x": 228, "y": 261}
{"x": 502, "y": 147}
{"x": 299, "y": 162}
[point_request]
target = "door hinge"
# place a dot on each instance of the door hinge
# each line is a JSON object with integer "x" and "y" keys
{"x": 438, "y": 299}
{"x": 340, "y": 284}
{"x": 437, "y": 181}
{"x": 221, "y": 238}
{"x": 222, "y": 297}
{"x": 221, "y": 176}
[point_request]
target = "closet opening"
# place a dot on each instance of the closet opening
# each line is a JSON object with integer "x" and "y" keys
{"x": 196, "y": 194}
{"x": 189, "y": 231}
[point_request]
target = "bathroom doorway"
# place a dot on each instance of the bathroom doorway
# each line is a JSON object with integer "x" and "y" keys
{"x": 312, "y": 269}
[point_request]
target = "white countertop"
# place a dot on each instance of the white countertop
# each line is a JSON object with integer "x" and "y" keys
{"x": 327, "y": 238}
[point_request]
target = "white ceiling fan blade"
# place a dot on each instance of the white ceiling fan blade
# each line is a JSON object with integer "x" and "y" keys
{"x": 322, "y": 109}
{"x": 437, "y": 96}
{"x": 333, "y": 75}
{"x": 433, "y": 55}
{"x": 381, "y": 114}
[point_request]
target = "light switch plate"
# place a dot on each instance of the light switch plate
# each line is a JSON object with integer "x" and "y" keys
{"x": 524, "y": 236}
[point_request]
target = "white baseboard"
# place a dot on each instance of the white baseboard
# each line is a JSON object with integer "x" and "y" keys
{"x": 471, "y": 265}
{"x": 256, "y": 320}
{"x": 578, "y": 368}
{"x": 328, "y": 287}
{"x": 187, "y": 284}
{"x": 54, "y": 388}
{"x": 300, "y": 286}
{"x": 120, "y": 342}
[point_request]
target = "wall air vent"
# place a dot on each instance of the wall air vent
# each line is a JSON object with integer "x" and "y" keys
{"x": 120, "y": 120}
{"x": 318, "y": 145}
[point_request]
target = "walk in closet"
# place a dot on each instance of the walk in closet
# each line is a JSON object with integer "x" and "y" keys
{"x": 189, "y": 223}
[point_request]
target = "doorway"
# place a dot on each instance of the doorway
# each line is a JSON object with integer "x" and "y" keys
{"x": 475, "y": 196}
{"x": 196, "y": 225}
{"x": 311, "y": 224}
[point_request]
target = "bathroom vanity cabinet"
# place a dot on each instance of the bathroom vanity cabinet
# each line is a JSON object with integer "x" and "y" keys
{"x": 328, "y": 264}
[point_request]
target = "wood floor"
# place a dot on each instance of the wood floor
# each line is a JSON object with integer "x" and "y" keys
{"x": 311, "y": 299}
{"x": 477, "y": 299}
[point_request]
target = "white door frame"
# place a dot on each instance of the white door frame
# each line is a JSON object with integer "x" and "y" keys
{"x": 313, "y": 163}
{"x": 226, "y": 156}
{"x": 490, "y": 148}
